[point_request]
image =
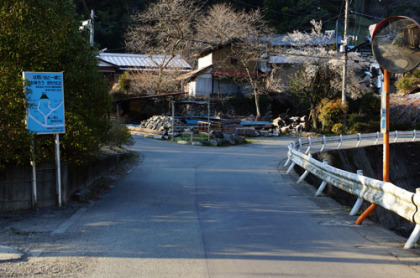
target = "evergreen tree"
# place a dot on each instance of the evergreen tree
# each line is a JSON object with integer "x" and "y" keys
{"x": 289, "y": 15}
{"x": 44, "y": 36}
{"x": 111, "y": 19}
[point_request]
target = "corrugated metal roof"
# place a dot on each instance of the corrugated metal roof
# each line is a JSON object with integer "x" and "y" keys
{"x": 287, "y": 40}
{"x": 142, "y": 61}
{"x": 194, "y": 73}
{"x": 291, "y": 59}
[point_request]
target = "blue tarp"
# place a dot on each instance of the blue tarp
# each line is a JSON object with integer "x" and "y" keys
{"x": 244, "y": 123}
{"x": 192, "y": 122}
{"x": 254, "y": 123}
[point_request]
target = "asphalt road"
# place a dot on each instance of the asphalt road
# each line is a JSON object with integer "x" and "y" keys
{"x": 188, "y": 211}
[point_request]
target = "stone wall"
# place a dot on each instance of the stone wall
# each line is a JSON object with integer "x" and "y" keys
{"x": 16, "y": 182}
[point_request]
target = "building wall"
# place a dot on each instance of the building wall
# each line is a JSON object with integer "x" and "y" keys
{"x": 205, "y": 61}
{"x": 209, "y": 84}
{"x": 223, "y": 61}
{"x": 203, "y": 86}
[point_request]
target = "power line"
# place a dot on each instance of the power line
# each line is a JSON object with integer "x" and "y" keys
{"x": 360, "y": 18}
{"x": 367, "y": 15}
{"x": 293, "y": 15}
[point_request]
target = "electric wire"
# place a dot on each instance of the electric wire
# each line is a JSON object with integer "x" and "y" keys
{"x": 360, "y": 19}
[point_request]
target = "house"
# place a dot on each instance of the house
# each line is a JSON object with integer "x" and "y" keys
{"x": 365, "y": 49}
{"x": 113, "y": 65}
{"x": 329, "y": 39}
{"x": 282, "y": 67}
{"x": 218, "y": 73}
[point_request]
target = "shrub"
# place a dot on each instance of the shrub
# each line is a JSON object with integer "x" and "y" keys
{"x": 409, "y": 82}
{"x": 330, "y": 112}
{"x": 44, "y": 36}
{"x": 124, "y": 81}
{"x": 240, "y": 104}
{"x": 404, "y": 125}
{"x": 360, "y": 127}
{"x": 355, "y": 118}
{"x": 360, "y": 123}
{"x": 366, "y": 105}
{"x": 119, "y": 135}
{"x": 338, "y": 128}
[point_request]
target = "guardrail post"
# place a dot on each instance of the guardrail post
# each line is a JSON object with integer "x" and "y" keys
{"x": 359, "y": 201}
{"x": 305, "y": 174}
{"x": 414, "y": 135}
{"x": 309, "y": 145}
{"x": 323, "y": 183}
{"x": 324, "y": 143}
{"x": 359, "y": 137}
{"x": 377, "y": 137}
{"x": 341, "y": 142}
{"x": 413, "y": 237}
{"x": 288, "y": 156}
{"x": 396, "y": 136}
{"x": 290, "y": 168}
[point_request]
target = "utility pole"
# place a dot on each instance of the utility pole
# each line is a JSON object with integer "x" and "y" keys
{"x": 343, "y": 49}
{"x": 92, "y": 26}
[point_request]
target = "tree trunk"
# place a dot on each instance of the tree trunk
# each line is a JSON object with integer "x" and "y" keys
{"x": 257, "y": 105}
{"x": 312, "y": 115}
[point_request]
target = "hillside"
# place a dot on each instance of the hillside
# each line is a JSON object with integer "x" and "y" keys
{"x": 113, "y": 17}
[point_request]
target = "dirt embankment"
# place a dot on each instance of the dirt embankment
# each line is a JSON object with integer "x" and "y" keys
{"x": 404, "y": 172}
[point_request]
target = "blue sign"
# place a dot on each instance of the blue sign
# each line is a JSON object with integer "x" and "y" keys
{"x": 45, "y": 102}
{"x": 384, "y": 107}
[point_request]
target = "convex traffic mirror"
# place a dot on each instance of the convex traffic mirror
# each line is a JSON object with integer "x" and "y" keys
{"x": 395, "y": 44}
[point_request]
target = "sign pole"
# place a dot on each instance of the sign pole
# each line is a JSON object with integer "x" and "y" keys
{"x": 45, "y": 115}
{"x": 34, "y": 187}
{"x": 385, "y": 116}
{"x": 386, "y": 128}
{"x": 58, "y": 168}
{"x": 396, "y": 48}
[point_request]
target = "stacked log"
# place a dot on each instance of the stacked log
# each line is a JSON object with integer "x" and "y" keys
{"x": 160, "y": 125}
{"x": 286, "y": 125}
{"x": 282, "y": 125}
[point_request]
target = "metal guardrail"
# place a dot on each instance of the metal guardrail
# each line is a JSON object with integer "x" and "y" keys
{"x": 348, "y": 141}
{"x": 389, "y": 196}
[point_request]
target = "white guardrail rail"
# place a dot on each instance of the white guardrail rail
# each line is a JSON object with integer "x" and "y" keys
{"x": 385, "y": 194}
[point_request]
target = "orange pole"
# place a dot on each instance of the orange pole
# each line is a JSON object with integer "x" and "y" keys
{"x": 386, "y": 134}
{"x": 365, "y": 214}
{"x": 385, "y": 169}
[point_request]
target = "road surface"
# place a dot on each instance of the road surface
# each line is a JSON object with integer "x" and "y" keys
{"x": 188, "y": 211}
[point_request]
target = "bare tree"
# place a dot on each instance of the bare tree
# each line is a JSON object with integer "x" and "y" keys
{"x": 222, "y": 24}
{"x": 242, "y": 31}
{"x": 149, "y": 82}
{"x": 164, "y": 28}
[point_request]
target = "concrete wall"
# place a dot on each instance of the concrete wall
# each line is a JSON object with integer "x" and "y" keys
{"x": 16, "y": 182}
